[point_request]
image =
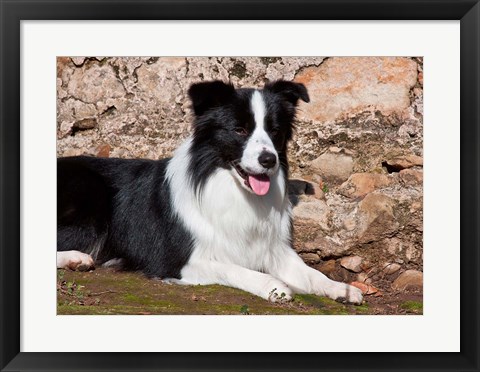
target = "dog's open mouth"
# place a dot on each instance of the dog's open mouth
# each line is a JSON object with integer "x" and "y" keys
{"x": 258, "y": 183}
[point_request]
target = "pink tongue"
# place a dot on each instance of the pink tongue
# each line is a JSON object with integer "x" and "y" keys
{"x": 259, "y": 183}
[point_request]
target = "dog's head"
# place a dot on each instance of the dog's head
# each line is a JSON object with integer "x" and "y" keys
{"x": 244, "y": 130}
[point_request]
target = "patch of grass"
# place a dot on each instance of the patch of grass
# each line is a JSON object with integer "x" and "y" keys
{"x": 74, "y": 309}
{"x": 131, "y": 298}
{"x": 322, "y": 305}
{"x": 316, "y": 301}
{"x": 362, "y": 309}
{"x": 108, "y": 292}
{"x": 216, "y": 288}
{"x": 147, "y": 302}
{"x": 60, "y": 274}
{"x": 413, "y": 306}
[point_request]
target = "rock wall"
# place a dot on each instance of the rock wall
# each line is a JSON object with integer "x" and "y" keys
{"x": 356, "y": 157}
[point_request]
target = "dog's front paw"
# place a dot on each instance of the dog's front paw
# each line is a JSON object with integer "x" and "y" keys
{"x": 345, "y": 293}
{"x": 280, "y": 293}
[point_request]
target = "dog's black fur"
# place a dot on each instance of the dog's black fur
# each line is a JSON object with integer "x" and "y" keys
{"x": 120, "y": 208}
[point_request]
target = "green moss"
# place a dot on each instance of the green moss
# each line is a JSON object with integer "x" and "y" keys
{"x": 322, "y": 305}
{"x": 316, "y": 301}
{"x": 211, "y": 289}
{"x": 131, "y": 298}
{"x": 362, "y": 309}
{"x": 110, "y": 310}
{"x": 413, "y": 306}
{"x": 104, "y": 292}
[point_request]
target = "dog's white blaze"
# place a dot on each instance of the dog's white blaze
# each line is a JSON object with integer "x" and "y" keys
{"x": 258, "y": 108}
{"x": 259, "y": 140}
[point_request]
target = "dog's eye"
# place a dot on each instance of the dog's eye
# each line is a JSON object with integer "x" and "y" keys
{"x": 241, "y": 131}
{"x": 274, "y": 132}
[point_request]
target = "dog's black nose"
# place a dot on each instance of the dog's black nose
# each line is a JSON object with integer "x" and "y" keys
{"x": 267, "y": 159}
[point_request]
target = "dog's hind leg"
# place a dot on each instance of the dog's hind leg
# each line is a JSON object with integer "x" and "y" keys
{"x": 74, "y": 260}
{"x": 85, "y": 239}
{"x": 83, "y": 210}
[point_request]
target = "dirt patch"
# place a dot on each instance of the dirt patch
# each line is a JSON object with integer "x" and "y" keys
{"x": 385, "y": 301}
{"x": 108, "y": 292}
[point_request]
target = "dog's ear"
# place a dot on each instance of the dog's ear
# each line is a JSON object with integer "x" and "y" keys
{"x": 210, "y": 94}
{"x": 290, "y": 91}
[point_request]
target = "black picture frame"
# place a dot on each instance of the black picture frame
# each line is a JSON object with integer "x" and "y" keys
{"x": 13, "y": 12}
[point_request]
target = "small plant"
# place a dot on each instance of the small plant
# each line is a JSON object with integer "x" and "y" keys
{"x": 325, "y": 188}
{"x": 60, "y": 274}
{"x": 71, "y": 286}
{"x": 244, "y": 310}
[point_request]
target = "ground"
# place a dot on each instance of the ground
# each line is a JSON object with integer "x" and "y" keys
{"x": 106, "y": 291}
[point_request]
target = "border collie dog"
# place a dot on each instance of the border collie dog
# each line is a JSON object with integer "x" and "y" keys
{"x": 217, "y": 212}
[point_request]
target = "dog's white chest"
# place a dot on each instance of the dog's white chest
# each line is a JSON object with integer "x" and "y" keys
{"x": 230, "y": 225}
{"x": 238, "y": 227}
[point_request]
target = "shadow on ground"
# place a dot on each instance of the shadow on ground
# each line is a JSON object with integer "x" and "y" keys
{"x": 108, "y": 292}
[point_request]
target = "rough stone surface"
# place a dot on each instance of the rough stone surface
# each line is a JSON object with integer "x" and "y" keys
{"x": 364, "y": 278}
{"x": 366, "y": 289}
{"x": 323, "y": 246}
{"x": 403, "y": 162}
{"x": 310, "y": 257}
{"x": 360, "y": 184}
{"x": 333, "y": 167}
{"x": 378, "y": 219}
{"x": 410, "y": 279}
{"x": 357, "y": 151}
{"x": 391, "y": 268}
{"x": 352, "y": 263}
{"x": 411, "y": 177}
{"x": 314, "y": 210}
{"x": 328, "y": 267}
{"x": 342, "y": 86}
{"x": 318, "y": 192}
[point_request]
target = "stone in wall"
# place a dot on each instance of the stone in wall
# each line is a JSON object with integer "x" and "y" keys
{"x": 344, "y": 86}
